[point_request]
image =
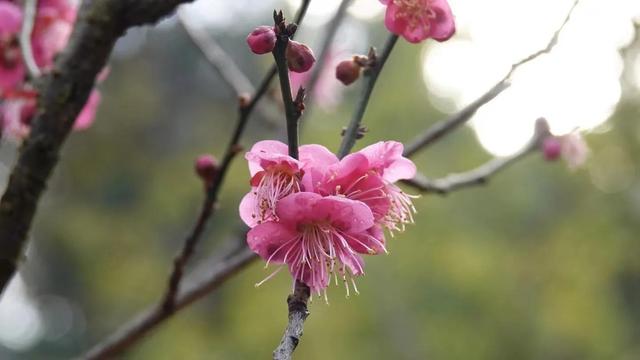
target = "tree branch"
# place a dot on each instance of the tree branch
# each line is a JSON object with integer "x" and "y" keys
{"x": 28, "y": 20}
{"x": 442, "y": 128}
{"x": 62, "y": 94}
{"x": 371, "y": 75}
{"x": 481, "y": 174}
{"x": 297, "y": 301}
{"x": 219, "y": 60}
{"x": 134, "y": 330}
{"x": 297, "y": 304}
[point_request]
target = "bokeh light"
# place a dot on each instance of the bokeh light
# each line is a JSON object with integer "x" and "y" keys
{"x": 576, "y": 86}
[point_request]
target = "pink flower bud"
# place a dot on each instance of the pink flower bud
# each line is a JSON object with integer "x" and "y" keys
{"x": 299, "y": 57}
{"x": 262, "y": 40}
{"x": 348, "y": 71}
{"x": 206, "y": 167}
{"x": 551, "y": 148}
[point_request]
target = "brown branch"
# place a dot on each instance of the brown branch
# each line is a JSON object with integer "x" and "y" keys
{"x": 442, "y": 128}
{"x": 134, "y": 330}
{"x": 481, "y": 174}
{"x": 297, "y": 304}
{"x": 62, "y": 94}
{"x": 352, "y": 133}
{"x": 297, "y": 301}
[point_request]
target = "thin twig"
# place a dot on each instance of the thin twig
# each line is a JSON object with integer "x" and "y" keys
{"x": 371, "y": 76}
{"x": 292, "y": 113}
{"x": 438, "y": 130}
{"x": 28, "y": 21}
{"x": 219, "y": 60}
{"x": 479, "y": 175}
{"x": 134, "y": 330}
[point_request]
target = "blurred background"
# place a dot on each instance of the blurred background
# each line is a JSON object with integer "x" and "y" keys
{"x": 543, "y": 263}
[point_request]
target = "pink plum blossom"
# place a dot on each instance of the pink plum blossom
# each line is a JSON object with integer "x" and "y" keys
{"x": 369, "y": 176}
{"x": 571, "y": 147}
{"x": 275, "y": 174}
{"x": 19, "y": 107}
{"x": 318, "y": 238}
{"x": 11, "y": 67}
{"x": 574, "y": 150}
{"x": 16, "y": 112}
{"x": 327, "y": 92}
{"x": 417, "y": 20}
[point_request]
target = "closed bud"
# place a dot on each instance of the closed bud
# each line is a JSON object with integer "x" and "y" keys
{"x": 262, "y": 40}
{"x": 206, "y": 167}
{"x": 551, "y": 148}
{"x": 300, "y": 58}
{"x": 348, "y": 71}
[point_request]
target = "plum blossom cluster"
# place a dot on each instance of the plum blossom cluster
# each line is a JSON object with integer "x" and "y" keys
{"x": 318, "y": 214}
{"x": 53, "y": 23}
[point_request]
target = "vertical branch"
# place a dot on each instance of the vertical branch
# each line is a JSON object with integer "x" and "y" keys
{"x": 291, "y": 113}
{"x": 28, "y": 20}
{"x": 297, "y": 302}
{"x": 371, "y": 76}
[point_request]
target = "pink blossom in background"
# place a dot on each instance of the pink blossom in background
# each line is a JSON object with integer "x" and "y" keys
{"x": 327, "y": 92}
{"x": 571, "y": 147}
{"x": 574, "y": 150}
{"x": 551, "y": 148}
{"x": 19, "y": 106}
{"x": 417, "y": 20}
{"x": 51, "y": 31}
{"x": 317, "y": 237}
{"x": 11, "y": 67}
{"x": 88, "y": 113}
{"x": 16, "y": 112}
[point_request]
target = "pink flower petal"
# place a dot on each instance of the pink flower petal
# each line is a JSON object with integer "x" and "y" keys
{"x": 247, "y": 209}
{"x": 344, "y": 214}
{"x": 88, "y": 113}
{"x": 10, "y": 17}
{"x": 261, "y": 148}
{"x": 269, "y": 240}
{"x": 443, "y": 26}
{"x": 297, "y": 207}
{"x": 370, "y": 242}
{"x": 317, "y": 155}
{"x": 401, "y": 168}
